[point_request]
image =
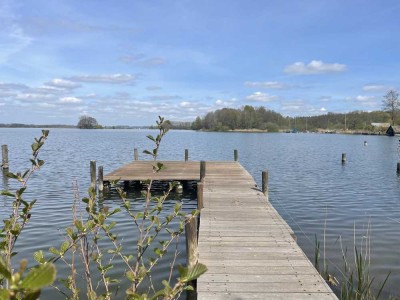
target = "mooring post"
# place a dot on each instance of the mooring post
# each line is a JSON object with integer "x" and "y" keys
{"x": 235, "y": 155}
{"x": 398, "y": 168}
{"x": 343, "y": 158}
{"x": 135, "y": 154}
{"x": 186, "y": 154}
{"x": 264, "y": 184}
{"x": 100, "y": 180}
{"x": 93, "y": 173}
{"x": 191, "y": 241}
{"x": 4, "y": 152}
{"x": 202, "y": 170}
{"x": 200, "y": 191}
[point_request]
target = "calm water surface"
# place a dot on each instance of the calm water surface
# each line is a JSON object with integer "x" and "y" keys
{"x": 309, "y": 186}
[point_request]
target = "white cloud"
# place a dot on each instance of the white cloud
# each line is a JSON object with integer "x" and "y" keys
{"x": 266, "y": 84}
{"x": 70, "y": 100}
{"x": 185, "y": 104}
{"x": 63, "y": 84}
{"x": 323, "y": 109}
{"x": 374, "y": 88}
{"x": 225, "y": 103}
{"x": 142, "y": 60}
{"x": 364, "y": 98}
{"x": 260, "y": 97}
{"x": 314, "y": 67}
{"x": 113, "y": 78}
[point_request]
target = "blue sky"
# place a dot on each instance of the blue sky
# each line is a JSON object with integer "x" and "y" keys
{"x": 126, "y": 62}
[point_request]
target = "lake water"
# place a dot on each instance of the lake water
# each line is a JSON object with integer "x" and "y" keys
{"x": 309, "y": 186}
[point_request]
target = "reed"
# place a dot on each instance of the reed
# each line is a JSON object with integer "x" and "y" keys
{"x": 355, "y": 280}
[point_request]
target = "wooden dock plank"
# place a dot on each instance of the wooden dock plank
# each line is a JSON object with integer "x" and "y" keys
{"x": 247, "y": 246}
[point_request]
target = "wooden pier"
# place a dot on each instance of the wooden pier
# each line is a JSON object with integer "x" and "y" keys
{"x": 249, "y": 250}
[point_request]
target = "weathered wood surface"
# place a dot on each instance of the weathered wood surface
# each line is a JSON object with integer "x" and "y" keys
{"x": 247, "y": 246}
{"x": 143, "y": 170}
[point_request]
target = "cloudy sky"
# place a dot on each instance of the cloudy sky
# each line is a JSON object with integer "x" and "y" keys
{"x": 128, "y": 61}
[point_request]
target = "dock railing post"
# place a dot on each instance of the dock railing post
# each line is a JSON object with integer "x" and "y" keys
{"x": 93, "y": 173}
{"x": 200, "y": 195}
{"x": 4, "y": 154}
{"x": 191, "y": 249}
{"x": 191, "y": 241}
{"x": 186, "y": 154}
{"x": 265, "y": 183}
{"x": 343, "y": 158}
{"x": 202, "y": 170}
{"x": 235, "y": 155}
{"x": 135, "y": 154}
{"x": 101, "y": 182}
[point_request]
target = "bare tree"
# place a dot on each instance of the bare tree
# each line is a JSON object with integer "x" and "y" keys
{"x": 391, "y": 104}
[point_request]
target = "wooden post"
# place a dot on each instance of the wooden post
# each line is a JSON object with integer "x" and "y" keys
{"x": 4, "y": 152}
{"x": 101, "y": 183}
{"x": 265, "y": 183}
{"x": 398, "y": 168}
{"x": 200, "y": 191}
{"x": 235, "y": 155}
{"x": 186, "y": 154}
{"x": 135, "y": 154}
{"x": 343, "y": 158}
{"x": 202, "y": 170}
{"x": 93, "y": 173}
{"x": 191, "y": 241}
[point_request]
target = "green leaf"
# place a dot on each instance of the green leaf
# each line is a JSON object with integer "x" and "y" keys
{"x": 147, "y": 152}
{"x": 64, "y": 246}
{"x": 45, "y": 133}
{"x": 78, "y": 224}
{"x": 39, "y": 277}
{"x": 4, "y": 270}
{"x": 54, "y": 251}
{"x": 12, "y": 175}
{"x": 7, "y": 193}
{"x": 150, "y": 137}
{"x": 187, "y": 275}
{"x": 39, "y": 256}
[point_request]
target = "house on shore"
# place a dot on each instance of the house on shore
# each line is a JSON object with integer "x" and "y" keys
{"x": 393, "y": 130}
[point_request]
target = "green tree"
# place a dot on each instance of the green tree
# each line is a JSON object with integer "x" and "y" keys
{"x": 391, "y": 104}
{"x": 197, "y": 124}
{"x": 87, "y": 122}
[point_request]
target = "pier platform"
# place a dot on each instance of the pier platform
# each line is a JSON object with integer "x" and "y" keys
{"x": 249, "y": 250}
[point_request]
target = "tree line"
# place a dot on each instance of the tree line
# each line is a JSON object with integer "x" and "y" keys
{"x": 249, "y": 117}
{"x": 260, "y": 118}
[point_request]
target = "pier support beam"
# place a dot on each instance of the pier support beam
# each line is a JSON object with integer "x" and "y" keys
{"x": 135, "y": 154}
{"x": 100, "y": 179}
{"x": 398, "y": 168}
{"x": 191, "y": 241}
{"x": 93, "y": 173}
{"x": 200, "y": 197}
{"x": 343, "y": 158}
{"x": 264, "y": 184}
{"x": 235, "y": 155}
{"x": 186, "y": 154}
{"x": 202, "y": 170}
{"x": 4, "y": 153}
